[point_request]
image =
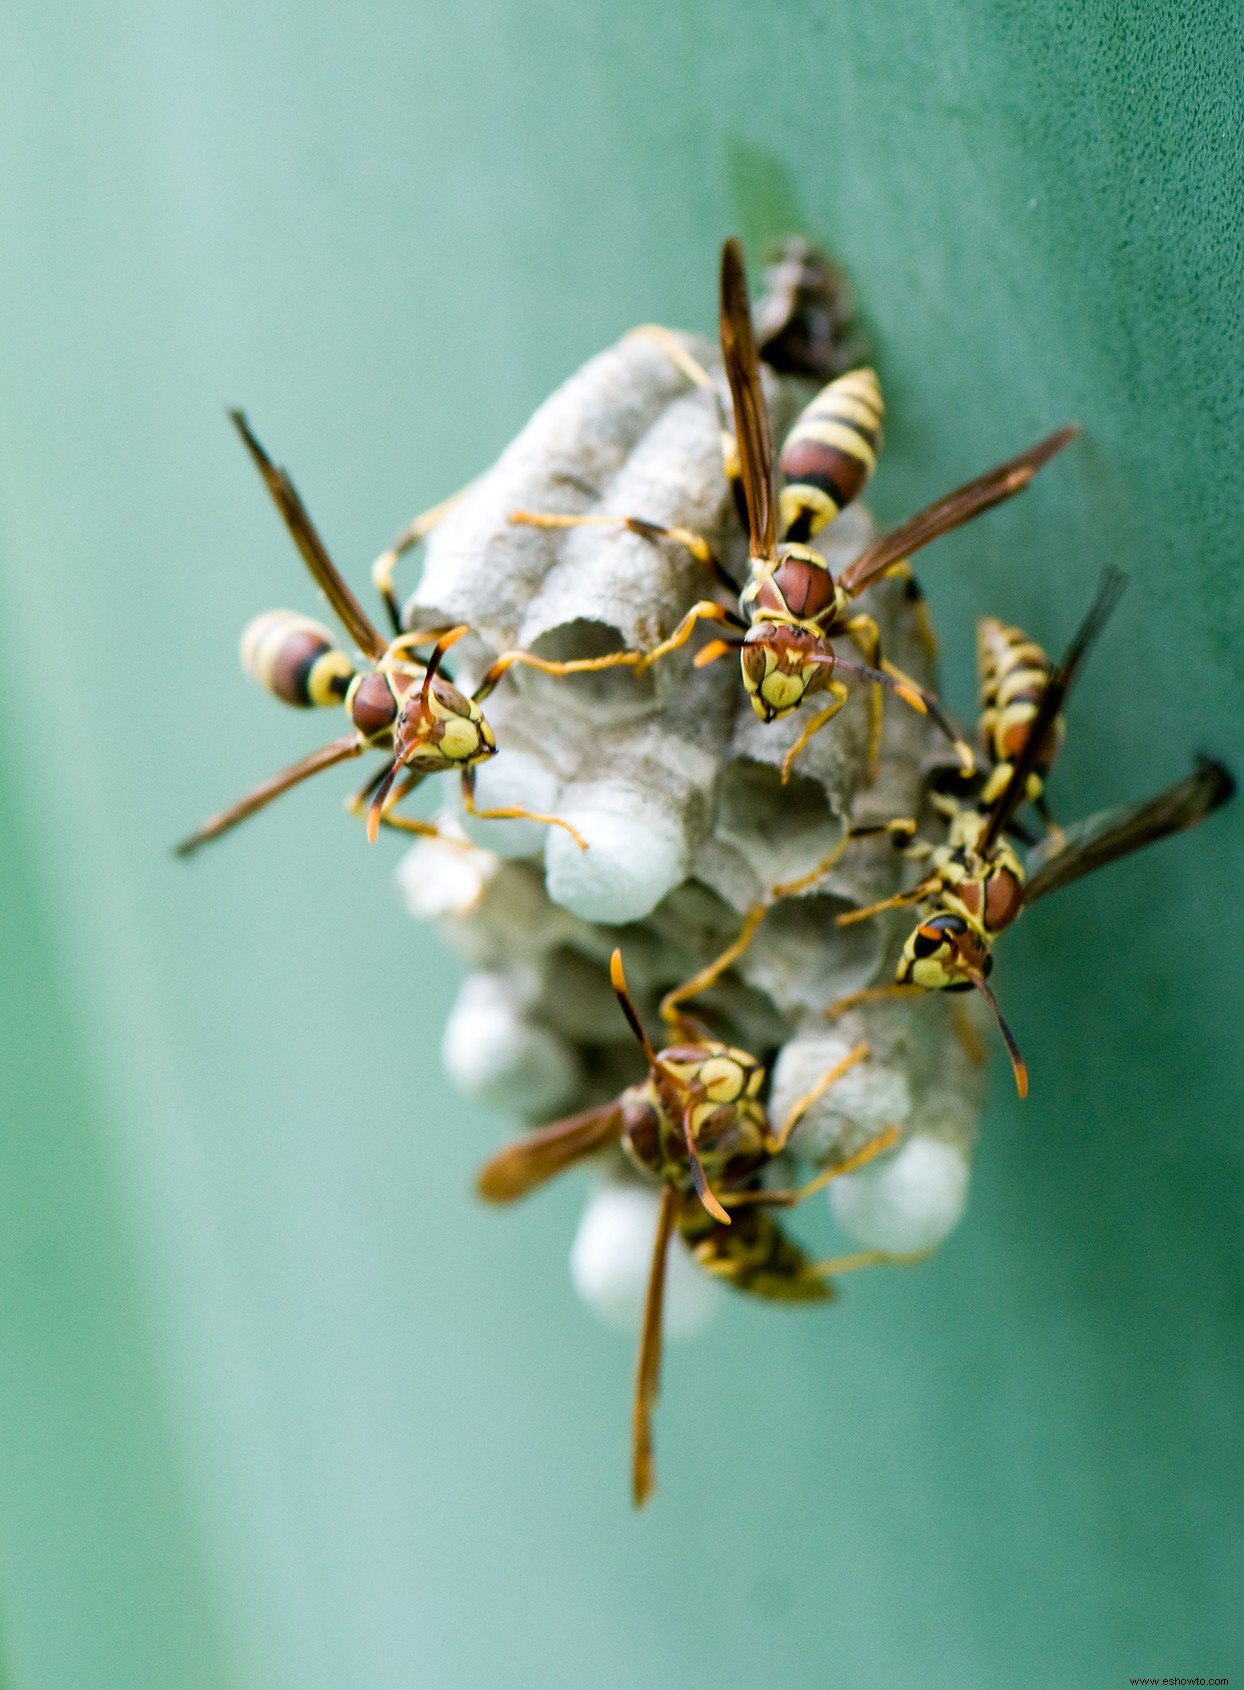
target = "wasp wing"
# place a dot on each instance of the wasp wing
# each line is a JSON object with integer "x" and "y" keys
{"x": 751, "y": 414}
{"x": 324, "y": 572}
{"x": 966, "y": 502}
{"x": 542, "y": 1155}
{"x": 1099, "y": 839}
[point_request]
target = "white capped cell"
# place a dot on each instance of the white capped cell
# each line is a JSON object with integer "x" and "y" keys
{"x": 636, "y": 853}
{"x": 495, "y": 1054}
{"x": 907, "y": 1202}
{"x": 512, "y": 779}
{"x": 611, "y": 1257}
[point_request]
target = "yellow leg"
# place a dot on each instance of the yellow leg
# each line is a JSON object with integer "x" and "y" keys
{"x": 415, "y": 531}
{"x": 802, "y": 1104}
{"x": 814, "y": 726}
{"x": 899, "y": 901}
{"x": 676, "y": 352}
{"x": 705, "y": 611}
{"x": 867, "y": 637}
{"x": 547, "y": 666}
{"x": 865, "y": 1259}
{"x": 870, "y": 994}
{"x": 886, "y": 1139}
{"x": 695, "y": 543}
{"x": 967, "y": 1035}
{"x": 708, "y": 976}
{"x": 901, "y": 571}
{"x": 358, "y": 805}
{"x": 511, "y": 812}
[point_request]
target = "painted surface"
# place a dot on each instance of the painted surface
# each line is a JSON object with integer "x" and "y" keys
{"x": 281, "y": 1407}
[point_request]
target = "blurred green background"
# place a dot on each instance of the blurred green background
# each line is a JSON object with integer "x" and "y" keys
{"x": 279, "y": 1407}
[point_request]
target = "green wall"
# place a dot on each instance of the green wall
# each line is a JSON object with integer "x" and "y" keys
{"x": 278, "y": 1406}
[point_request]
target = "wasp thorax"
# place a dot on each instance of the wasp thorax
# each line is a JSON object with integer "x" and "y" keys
{"x": 373, "y": 702}
{"x": 777, "y": 669}
{"x": 940, "y": 952}
{"x": 296, "y": 659}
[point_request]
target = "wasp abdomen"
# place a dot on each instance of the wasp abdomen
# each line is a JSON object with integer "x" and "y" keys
{"x": 296, "y": 659}
{"x": 753, "y": 1254}
{"x": 1013, "y": 671}
{"x": 830, "y": 453}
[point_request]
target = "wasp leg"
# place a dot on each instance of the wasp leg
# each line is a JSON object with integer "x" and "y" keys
{"x": 867, "y": 636}
{"x": 967, "y": 1035}
{"x": 648, "y": 1366}
{"x": 801, "y": 1105}
{"x": 511, "y": 812}
{"x": 336, "y": 751}
{"x": 902, "y": 571}
{"x": 416, "y": 530}
{"x": 900, "y": 900}
{"x": 695, "y": 372}
{"x": 814, "y": 726}
{"x": 360, "y": 803}
{"x": 865, "y": 1259}
{"x": 695, "y": 543}
{"x": 548, "y": 666}
{"x": 705, "y": 611}
{"x": 870, "y": 994}
{"x": 708, "y": 976}
{"x": 886, "y": 1139}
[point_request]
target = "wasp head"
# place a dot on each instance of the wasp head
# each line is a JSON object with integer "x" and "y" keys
{"x": 942, "y": 954}
{"x": 781, "y": 666}
{"x": 439, "y": 727}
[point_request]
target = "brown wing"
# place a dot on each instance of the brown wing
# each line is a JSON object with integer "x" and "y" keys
{"x": 350, "y": 612}
{"x": 648, "y": 1366}
{"x": 1093, "y": 843}
{"x": 966, "y": 502}
{"x": 1109, "y": 589}
{"x": 751, "y": 414}
{"x": 336, "y": 751}
{"x": 542, "y": 1155}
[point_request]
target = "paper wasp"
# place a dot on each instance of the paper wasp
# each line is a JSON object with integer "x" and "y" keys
{"x": 792, "y": 608}
{"x": 397, "y": 703}
{"x": 698, "y": 1127}
{"x": 976, "y": 884}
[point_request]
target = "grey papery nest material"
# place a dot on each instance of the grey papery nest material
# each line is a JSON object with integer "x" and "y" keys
{"x": 673, "y": 780}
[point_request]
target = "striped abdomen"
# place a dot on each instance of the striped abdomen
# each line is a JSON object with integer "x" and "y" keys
{"x": 830, "y": 453}
{"x": 1013, "y": 673}
{"x": 295, "y": 658}
{"x": 752, "y": 1254}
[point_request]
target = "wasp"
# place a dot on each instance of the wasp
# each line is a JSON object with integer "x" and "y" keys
{"x": 698, "y": 1127}
{"x": 787, "y": 615}
{"x": 396, "y": 702}
{"x": 976, "y": 884}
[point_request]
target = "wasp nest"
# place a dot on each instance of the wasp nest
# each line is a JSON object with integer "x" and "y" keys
{"x": 673, "y": 782}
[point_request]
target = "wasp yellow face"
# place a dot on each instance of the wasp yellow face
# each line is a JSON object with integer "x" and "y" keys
{"x": 442, "y": 729}
{"x": 709, "y": 1078}
{"x": 939, "y": 954}
{"x": 778, "y": 671}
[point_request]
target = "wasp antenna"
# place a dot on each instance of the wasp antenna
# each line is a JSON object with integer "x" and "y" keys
{"x": 617, "y": 979}
{"x": 451, "y": 637}
{"x": 1018, "y": 1064}
{"x": 703, "y": 1189}
{"x": 377, "y": 803}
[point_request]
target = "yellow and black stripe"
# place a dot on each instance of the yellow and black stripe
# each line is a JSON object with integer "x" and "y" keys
{"x": 1013, "y": 674}
{"x": 830, "y": 453}
{"x": 296, "y": 659}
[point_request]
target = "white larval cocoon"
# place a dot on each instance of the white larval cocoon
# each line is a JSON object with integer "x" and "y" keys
{"x": 674, "y": 781}
{"x": 636, "y": 853}
{"x": 494, "y": 1054}
{"x": 908, "y": 1203}
{"x": 611, "y": 1257}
